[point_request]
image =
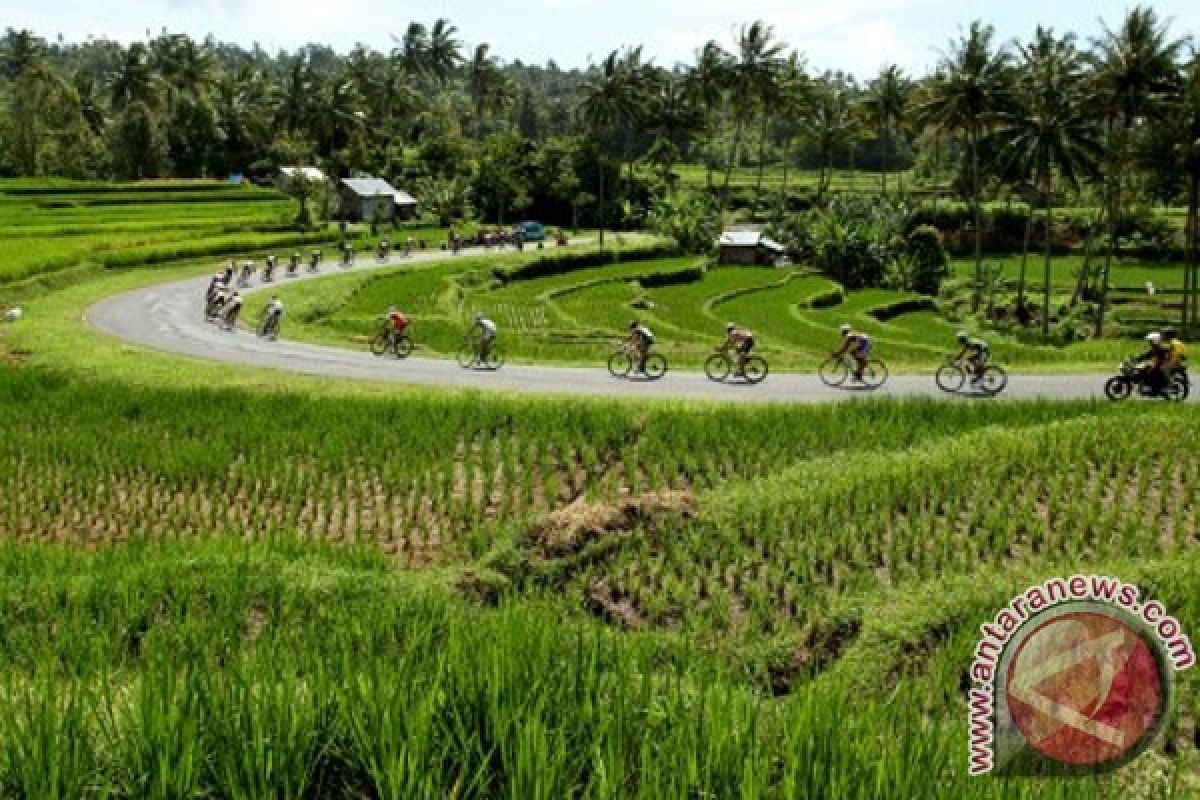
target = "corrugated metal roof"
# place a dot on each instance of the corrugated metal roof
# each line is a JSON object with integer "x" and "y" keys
{"x": 403, "y": 198}
{"x": 312, "y": 173}
{"x": 369, "y": 187}
{"x": 741, "y": 238}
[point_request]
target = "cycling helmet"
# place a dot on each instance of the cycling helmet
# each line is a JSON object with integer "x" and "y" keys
{"x": 633, "y": 325}
{"x": 1154, "y": 338}
{"x": 1170, "y": 333}
{"x": 845, "y": 329}
{"x": 730, "y": 328}
{"x": 962, "y": 336}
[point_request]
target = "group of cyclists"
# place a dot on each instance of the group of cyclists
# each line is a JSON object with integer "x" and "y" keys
{"x": 223, "y": 302}
{"x": 1157, "y": 366}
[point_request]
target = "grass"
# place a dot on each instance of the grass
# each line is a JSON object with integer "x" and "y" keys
{"x": 575, "y": 316}
{"x": 217, "y": 581}
{"x": 273, "y": 599}
{"x": 694, "y": 176}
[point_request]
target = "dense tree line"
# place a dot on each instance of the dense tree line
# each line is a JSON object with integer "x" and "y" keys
{"x": 1112, "y": 123}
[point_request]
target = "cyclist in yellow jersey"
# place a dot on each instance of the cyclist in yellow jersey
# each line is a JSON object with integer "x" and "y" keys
{"x": 858, "y": 346}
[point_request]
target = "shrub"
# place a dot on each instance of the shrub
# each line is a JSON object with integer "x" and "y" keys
{"x": 560, "y": 264}
{"x": 928, "y": 262}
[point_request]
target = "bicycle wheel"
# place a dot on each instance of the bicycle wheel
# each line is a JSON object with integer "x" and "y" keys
{"x": 717, "y": 367}
{"x": 875, "y": 374}
{"x": 834, "y": 372}
{"x": 756, "y": 370}
{"x": 994, "y": 380}
{"x": 656, "y": 366}
{"x": 620, "y": 364}
{"x": 403, "y": 348}
{"x": 466, "y": 355}
{"x": 950, "y": 378}
{"x": 494, "y": 359}
{"x": 380, "y": 342}
{"x": 1118, "y": 388}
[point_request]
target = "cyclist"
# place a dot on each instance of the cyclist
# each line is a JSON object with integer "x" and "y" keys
{"x": 974, "y": 355}
{"x": 294, "y": 264}
{"x": 233, "y": 307}
{"x": 273, "y": 314}
{"x": 858, "y": 346}
{"x": 641, "y": 339}
{"x": 741, "y": 342}
{"x": 269, "y": 270}
{"x": 347, "y": 254}
{"x": 397, "y": 324}
{"x": 384, "y": 246}
{"x": 1154, "y": 363}
{"x": 230, "y": 271}
{"x": 247, "y": 273}
{"x": 215, "y": 285}
{"x": 314, "y": 260}
{"x": 487, "y": 335}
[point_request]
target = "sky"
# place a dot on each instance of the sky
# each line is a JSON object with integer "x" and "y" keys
{"x": 857, "y": 36}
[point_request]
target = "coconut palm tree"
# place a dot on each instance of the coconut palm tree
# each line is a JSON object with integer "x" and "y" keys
{"x": 491, "y": 92}
{"x": 1050, "y": 132}
{"x": 612, "y": 100}
{"x": 1137, "y": 67}
{"x": 411, "y": 53}
{"x": 827, "y": 128}
{"x": 444, "y": 55}
{"x": 133, "y": 79}
{"x": 969, "y": 87}
{"x": 885, "y": 104}
{"x": 795, "y": 101}
{"x": 706, "y": 84}
{"x": 752, "y": 77}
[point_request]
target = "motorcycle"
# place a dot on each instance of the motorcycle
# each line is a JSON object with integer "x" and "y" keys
{"x": 1131, "y": 378}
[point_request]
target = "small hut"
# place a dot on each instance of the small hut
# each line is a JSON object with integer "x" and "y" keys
{"x": 749, "y": 248}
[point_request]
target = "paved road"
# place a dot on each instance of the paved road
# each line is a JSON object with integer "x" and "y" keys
{"x": 168, "y": 317}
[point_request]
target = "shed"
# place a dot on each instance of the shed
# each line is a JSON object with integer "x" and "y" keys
{"x": 749, "y": 248}
{"x": 406, "y": 205}
{"x": 367, "y": 199}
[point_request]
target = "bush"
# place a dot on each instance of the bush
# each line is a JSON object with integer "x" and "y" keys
{"x": 570, "y": 262}
{"x": 928, "y": 262}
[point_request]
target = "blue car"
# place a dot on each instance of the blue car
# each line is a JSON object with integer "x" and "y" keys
{"x": 531, "y": 231}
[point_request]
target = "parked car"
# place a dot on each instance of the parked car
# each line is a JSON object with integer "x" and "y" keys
{"x": 531, "y": 231}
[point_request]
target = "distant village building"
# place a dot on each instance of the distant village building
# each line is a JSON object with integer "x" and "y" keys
{"x": 370, "y": 199}
{"x": 749, "y": 247}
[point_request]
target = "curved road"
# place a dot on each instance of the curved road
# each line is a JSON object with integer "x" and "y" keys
{"x": 168, "y": 317}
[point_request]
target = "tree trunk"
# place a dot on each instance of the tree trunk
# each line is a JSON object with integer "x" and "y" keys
{"x": 787, "y": 157}
{"x": 1190, "y": 270}
{"x": 1085, "y": 272}
{"x": 883, "y": 156}
{"x": 733, "y": 153}
{"x": 937, "y": 170}
{"x": 978, "y": 215}
{"x": 762, "y": 153}
{"x": 601, "y": 205}
{"x": 1048, "y": 205}
{"x": 1114, "y": 218}
{"x": 1025, "y": 257}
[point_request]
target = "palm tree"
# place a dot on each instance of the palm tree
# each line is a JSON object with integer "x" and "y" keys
{"x": 411, "y": 52}
{"x": 445, "y": 52}
{"x": 1185, "y": 129}
{"x": 795, "y": 103}
{"x": 970, "y": 86}
{"x": 1050, "y": 133}
{"x": 491, "y": 92}
{"x": 706, "y": 83}
{"x": 1137, "y": 66}
{"x": 885, "y": 105}
{"x": 133, "y": 80}
{"x": 611, "y": 100}
{"x": 752, "y": 78}
{"x": 827, "y": 129}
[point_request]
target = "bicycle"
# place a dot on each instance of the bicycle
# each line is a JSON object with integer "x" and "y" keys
{"x": 268, "y": 326}
{"x": 952, "y": 376}
{"x": 836, "y": 370}
{"x": 622, "y": 362}
{"x": 470, "y": 355}
{"x": 386, "y": 341}
{"x": 721, "y": 365}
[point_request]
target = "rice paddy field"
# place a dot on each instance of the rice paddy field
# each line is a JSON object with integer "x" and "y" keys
{"x": 224, "y": 582}
{"x": 576, "y": 315}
